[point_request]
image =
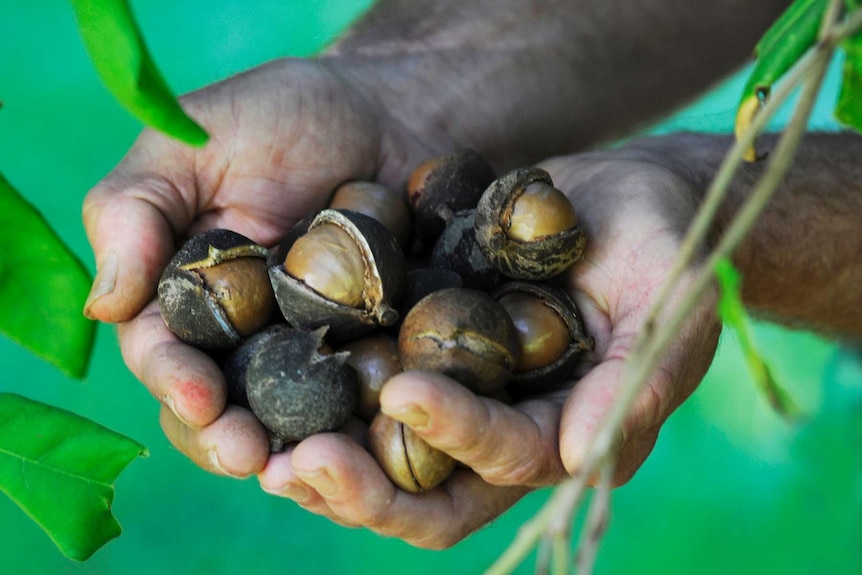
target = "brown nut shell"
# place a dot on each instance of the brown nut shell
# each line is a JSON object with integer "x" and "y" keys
{"x": 384, "y": 279}
{"x": 376, "y": 201}
{"x": 464, "y": 334}
{"x": 547, "y": 312}
{"x": 538, "y": 259}
{"x": 457, "y": 250}
{"x": 422, "y": 282}
{"x": 408, "y": 460}
{"x": 296, "y": 390}
{"x": 235, "y": 364}
{"x": 211, "y": 294}
{"x": 375, "y": 359}
{"x": 440, "y": 187}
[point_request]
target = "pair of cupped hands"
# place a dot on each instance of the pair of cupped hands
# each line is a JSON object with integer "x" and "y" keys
{"x": 283, "y": 137}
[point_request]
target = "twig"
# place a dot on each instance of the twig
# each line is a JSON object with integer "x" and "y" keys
{"x": 562, "y": 552}
{"x": 543, "y": 557}
{"x": 597, "y": 520}
{"x": 565, "y": 499}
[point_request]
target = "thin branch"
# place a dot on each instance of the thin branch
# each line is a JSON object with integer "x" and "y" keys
{"x": 598, "y": 518}
{"x": 543, "y": 557}
{"x": 562, "y": 553}
{"x": 565, "y": 499}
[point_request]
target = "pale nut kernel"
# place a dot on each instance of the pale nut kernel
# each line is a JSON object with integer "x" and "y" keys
{"x": 328, "y": 261}
{"x": 242, "y": 289}
{"x": 540, "y": 211}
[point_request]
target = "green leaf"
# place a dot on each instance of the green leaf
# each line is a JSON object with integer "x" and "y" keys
{"x": 60, "y": 469}
{"x": 120, "y": 56}
{"x": 784, "y": 43}
{"x": 732, "y": 313}
{"x": 779, "y": 49}
{"x": 848, "y": 110}
{"x": 43, "y": 287}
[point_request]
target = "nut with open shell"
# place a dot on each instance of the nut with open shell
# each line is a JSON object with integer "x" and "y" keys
{"x": 346, "y": 272}
{"x": 215, "y": 291}
{"x": 527, "y": 227}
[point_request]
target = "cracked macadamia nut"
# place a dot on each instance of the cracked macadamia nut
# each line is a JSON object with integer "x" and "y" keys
{"x": 216, "y": 291}
{"x": 407, "y": 459}
{"x": 527, "y": 227}
{"x": 346, "y": 272}
{"x": 464, "y": 334}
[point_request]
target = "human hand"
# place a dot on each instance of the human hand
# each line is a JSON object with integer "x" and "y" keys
{"x": 635, "y": 210}
{"x": 636, "y": 203}
{"x": 283, "y": 137}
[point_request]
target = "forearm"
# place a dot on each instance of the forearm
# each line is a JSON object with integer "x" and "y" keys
{"x": 524, "y": 79}
{"x": 802, "y": 261}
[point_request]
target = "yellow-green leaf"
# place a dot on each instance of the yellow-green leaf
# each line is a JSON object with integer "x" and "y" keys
{"x": 121, "y": 58}
{"x": 779, "y": 49}
{"x": 733, "y": 314}
{"x": 43, "y": 287}
{"x": 60, "y": 469}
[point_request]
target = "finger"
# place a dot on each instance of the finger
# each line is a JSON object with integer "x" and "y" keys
{"x": 503, "y": 444}
{"x": 184, "y": 378}
{"x": 131, "y": 223}
{"x": 236, "y": 444}
{"x": 358, "y": 492}
{"x": 278, "y": 478}
{"x": 682, "y": 368}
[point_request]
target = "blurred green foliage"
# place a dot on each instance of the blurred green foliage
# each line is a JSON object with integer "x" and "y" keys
{"x": 45, "y": 285}
{"x": 730, "y": 487}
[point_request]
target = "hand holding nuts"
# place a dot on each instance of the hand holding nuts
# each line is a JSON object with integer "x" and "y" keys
{"x": 340, "y": 277}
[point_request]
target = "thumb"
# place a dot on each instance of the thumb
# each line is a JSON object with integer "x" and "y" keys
{"x": 131, "y": 230}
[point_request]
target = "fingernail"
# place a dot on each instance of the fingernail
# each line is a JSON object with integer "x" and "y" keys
{"x": 295, "y": 492}
{"x": 321, "y": 481}
{"x": 169, "y": 401}
{"x": 213, "y": 456}
{"x": 412, "y": 415}
{"x": 104, "y": 282}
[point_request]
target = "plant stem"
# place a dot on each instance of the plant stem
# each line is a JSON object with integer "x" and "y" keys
{"x": 564, "y": 499}
{"x": 562, "y": 555}
{"x": 597, "y": 519}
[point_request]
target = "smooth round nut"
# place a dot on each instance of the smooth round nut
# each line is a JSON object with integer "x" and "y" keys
{"x": 215, "y": 290}
{"x": 375, "y": 359}
{"x": 296, "y": 388}
{"x": 551, "y": 335}
{"x": 376, "y": 201}
{"x": 407, "y": 459}
{"x": 516, "y": 219}
{"x": 543, "y": 334}
{"x": 464, "y": 334}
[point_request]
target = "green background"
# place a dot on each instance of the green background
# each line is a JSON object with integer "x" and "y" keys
{"x": 730, "y": 488}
